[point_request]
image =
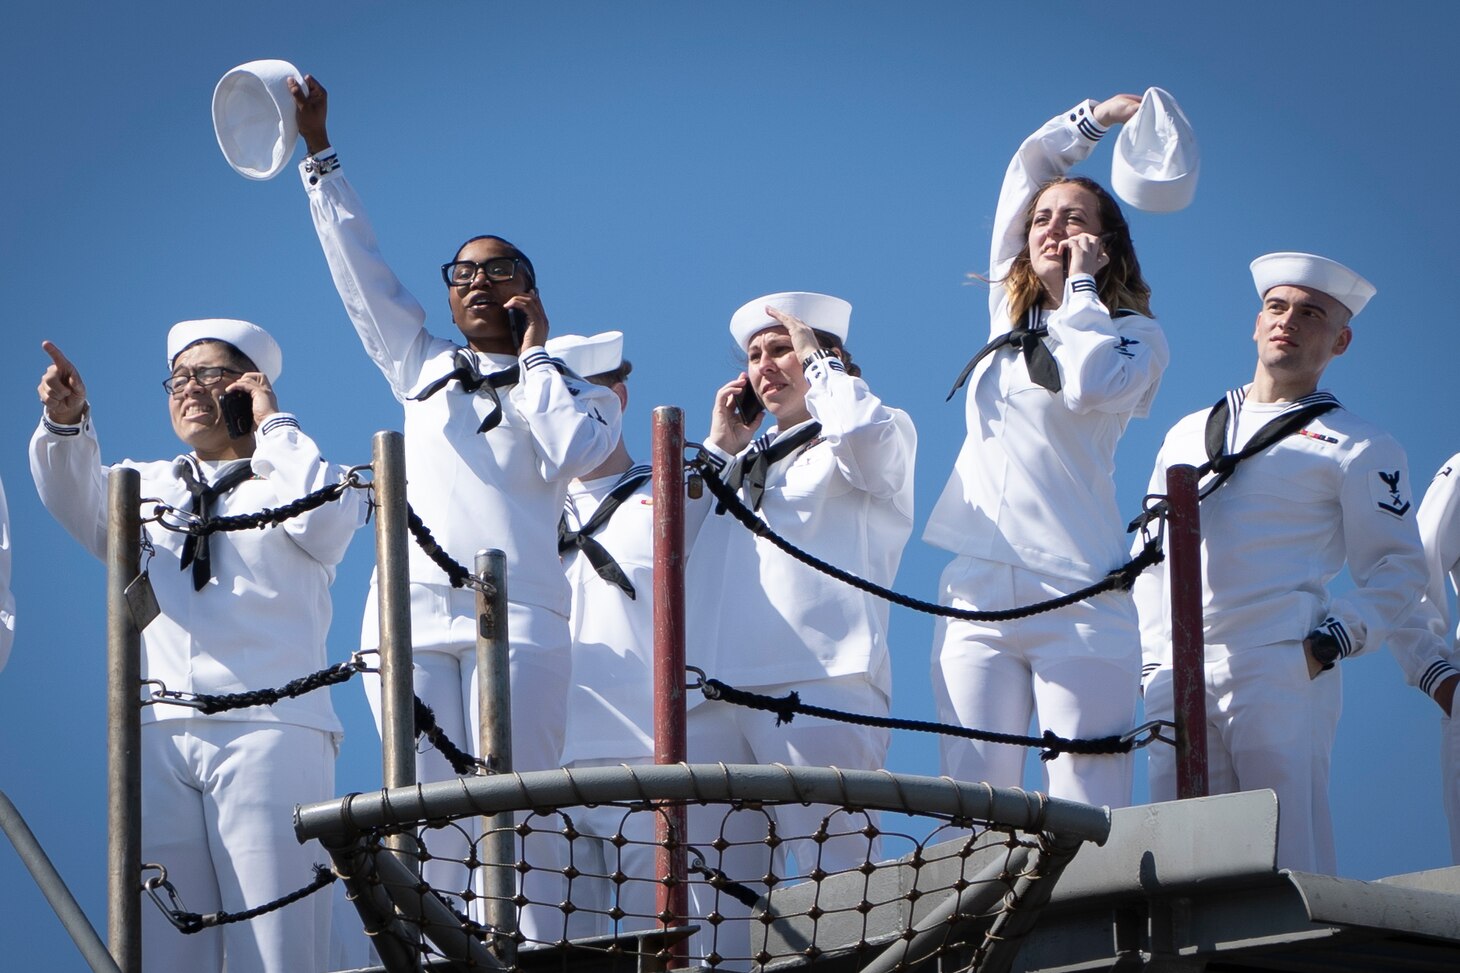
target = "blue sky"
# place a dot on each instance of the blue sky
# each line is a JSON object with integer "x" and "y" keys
{"x": 663, "y": 163}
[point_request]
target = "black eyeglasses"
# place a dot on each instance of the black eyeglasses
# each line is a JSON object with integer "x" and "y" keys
{"x": 211, "y": 375}
{"x": 460, "y": 272}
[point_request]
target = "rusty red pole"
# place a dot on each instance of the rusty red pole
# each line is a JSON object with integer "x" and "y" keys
{"x": 672, "y": 896}
{"x": 1188, "y": 653}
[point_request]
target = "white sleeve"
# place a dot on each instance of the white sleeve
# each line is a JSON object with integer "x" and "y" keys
{"x": 290, "y": 461}
{"x": 65, "y": 463}
{"x": 875, "y": 447}
{"x": 1423, "y": 647}
{"x": 389, "y": 321}
{"x": 1056, "y": 148}
{"x": 7, "y": 598}
{"x": 575, "y": 424}
{"x": 1151, "y": 595}
{"x": 1106, "y": 364}
{"x": 1385, "y": 558}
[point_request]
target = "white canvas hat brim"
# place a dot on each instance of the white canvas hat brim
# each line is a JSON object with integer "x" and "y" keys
{"x": 588, "y": 356}
{"x": 1156, "y": 160}
{"x": 821, "y": 311}
{"x": 1310, "y": 271}
{"x": 249, "y": 338}
{"x": 253, "y": 117}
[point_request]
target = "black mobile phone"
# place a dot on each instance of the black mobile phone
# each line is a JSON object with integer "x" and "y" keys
{"x": 748, "y": 405}
{"x": 517, "y": 324}
{"x": 237, "y": 409}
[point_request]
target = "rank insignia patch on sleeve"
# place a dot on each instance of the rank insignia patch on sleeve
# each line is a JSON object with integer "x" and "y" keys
{"x": 1384, "y": 488}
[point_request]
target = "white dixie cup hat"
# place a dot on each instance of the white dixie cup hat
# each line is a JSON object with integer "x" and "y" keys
{"x": 253, "y": 117}
{"x": 247, "y": 337}
{"x": 1156, "y": 160}
{"x": 1311, "y": 271}
{"x": 590, "y": 356}
{"x": 821, "y": 311}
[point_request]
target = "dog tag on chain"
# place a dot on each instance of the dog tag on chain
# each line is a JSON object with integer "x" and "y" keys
{"x": 142, "y": 601}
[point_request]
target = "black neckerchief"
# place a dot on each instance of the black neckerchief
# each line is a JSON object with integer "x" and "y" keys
{"x": 195, "y": 550}
{"x": 582, "y": 538}
{"x": 1220, "y": 432}
{"x": 472, "y": 381}
{"x": 756, "y": 465}
{"x": 1029, "y": 338}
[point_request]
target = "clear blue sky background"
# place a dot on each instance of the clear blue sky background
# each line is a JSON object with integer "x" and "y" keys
{"x": 662, "y": 163}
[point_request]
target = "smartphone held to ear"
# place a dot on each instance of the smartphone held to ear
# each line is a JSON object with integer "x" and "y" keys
{"x": 517, "y": 322}
{"x": 237, "y": 409}
{"x": 748, "y": 406}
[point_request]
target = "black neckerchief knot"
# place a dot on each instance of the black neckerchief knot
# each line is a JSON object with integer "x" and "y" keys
{"x": 755, "y": 466}
{"x": 473, "y": 381}
{"x": 582, "y": 538}
{"x": 1027, "y": 338}
{"x": 195, "y": 551}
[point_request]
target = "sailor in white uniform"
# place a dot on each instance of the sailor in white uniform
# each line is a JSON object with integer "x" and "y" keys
{"x": 242, "y": 610}
{"x": 1427, "y": 647}
{"x": 1320, "y": 487}
{"x": 607, "y": 544}
{"x": 7, "y": 598}
{"x": 494, "y": 432}
{"x": 1030, "y": 508}
{"x": 834, "y": 477}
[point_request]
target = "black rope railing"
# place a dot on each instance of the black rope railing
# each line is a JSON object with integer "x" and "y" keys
{"x": 1050, "y": 744}
{"x": 188, "y": 923}
{"x": 1119, "y": 579}
{"x": 459, "y": 576}
{"x": 268, "y": 517}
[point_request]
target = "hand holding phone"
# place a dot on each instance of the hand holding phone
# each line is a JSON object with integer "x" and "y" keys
{"x": 748, "y": 406}
{"x": 237, "y": 408}
{"x": 517, "y": 324}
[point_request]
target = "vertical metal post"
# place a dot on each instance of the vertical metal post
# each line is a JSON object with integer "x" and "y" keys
{"x": 672, "y": 895}
{"x": 494, "y": 703}
{"x": 1188, "y": 654}
{"x": 392, "y": 588}
{"x": 124, "y": 722}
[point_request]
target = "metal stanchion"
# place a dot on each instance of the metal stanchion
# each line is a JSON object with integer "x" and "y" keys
{"x": 124, "y": 722}
{"x": 1188, "y": 654}
{"x": 494, "y": 702}
{"x": 392, "y": 588}
{"x": 672, "y": 894}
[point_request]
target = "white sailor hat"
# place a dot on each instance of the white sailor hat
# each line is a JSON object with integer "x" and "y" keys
{"x": 821, "y": 311}
{"x": 252, "y": 340}
{"x": 1156, "y": 160}
{"x": 1314, "y": 272}
{"x": 588, "y": 356}
{"x": 253, "y": 117}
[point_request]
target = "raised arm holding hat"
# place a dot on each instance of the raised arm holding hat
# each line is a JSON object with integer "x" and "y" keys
{"x": 240, "y": 611}
{"x": 1278, "y": 524}
{"x": 1029, "y": 511}
{"x": 494, "y": 432}
{"x": 834, "y": 477}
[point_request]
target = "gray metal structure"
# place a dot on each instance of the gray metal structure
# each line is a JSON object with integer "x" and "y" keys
{"x": 1192, "y": 886}
{"x": 494, "y": 701}
{"x": 124, "y": 721}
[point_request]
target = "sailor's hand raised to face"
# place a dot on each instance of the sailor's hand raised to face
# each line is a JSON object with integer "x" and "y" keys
{"x": 62, "y": 392}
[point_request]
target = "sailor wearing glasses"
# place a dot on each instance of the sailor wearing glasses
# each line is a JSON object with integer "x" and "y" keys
{"x": 244, "y": 610}
{"x": 1030, "y": 509}
{"x": 833, "y": 475}
{"x": 1313, "y": 488}
{"x": 494, "y": 432}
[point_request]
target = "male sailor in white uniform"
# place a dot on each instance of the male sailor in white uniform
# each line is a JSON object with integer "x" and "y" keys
{"x": 1301, "y": 486}
{"x": 240, "y": 610}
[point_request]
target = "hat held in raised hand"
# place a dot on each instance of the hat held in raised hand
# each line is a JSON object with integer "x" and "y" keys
{"x": 253, "y": 117}
{"x": 1156, "y": 161}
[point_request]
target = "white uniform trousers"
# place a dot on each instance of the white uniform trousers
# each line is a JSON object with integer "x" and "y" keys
{"x": 1268, "y": 726}
{"x": 1077, "y": 670}
{"x": 720, "y": 732}
{"x": 540, "y": 661}
{"x": 1450, "y": 779}
{"x": 218, "y": 802}
{"x": 597, "y": 860}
